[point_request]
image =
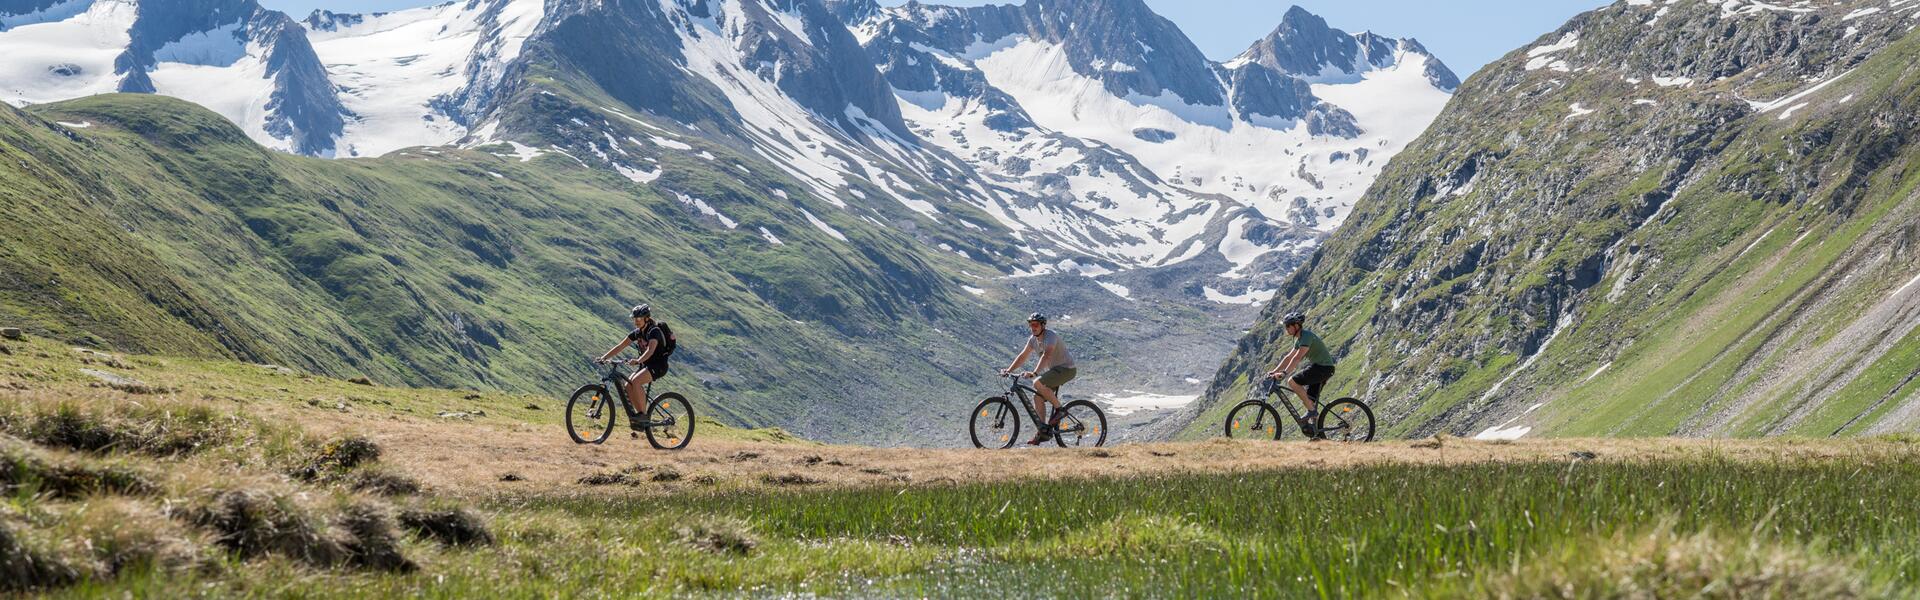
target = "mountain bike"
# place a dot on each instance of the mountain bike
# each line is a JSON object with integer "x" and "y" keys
{"x": 1343, "y": 420}
{"x": 668, "y": 422}
{"x": 995, "y": 425}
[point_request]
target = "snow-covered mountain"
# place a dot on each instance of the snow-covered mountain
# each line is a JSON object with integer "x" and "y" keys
{"x": 253, "y": 65}
{"x": 1094, "y": 127}
{"x": 1125, "y": 136}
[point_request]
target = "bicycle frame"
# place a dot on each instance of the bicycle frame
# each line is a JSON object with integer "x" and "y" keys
{"x": 1277, "y": 388}
{"x": 617, "y": 379}
{"x": 1020, "y": 391}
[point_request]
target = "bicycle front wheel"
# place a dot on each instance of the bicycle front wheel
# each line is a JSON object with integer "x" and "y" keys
{"x": 994, "y": 424}
{"x": 1346, "y": 420}
{"x": 1084, "y": 426}
{"x": 590, "y": 415}
{"x": 669, "y": 422}
{"x": 1254, "y": 420}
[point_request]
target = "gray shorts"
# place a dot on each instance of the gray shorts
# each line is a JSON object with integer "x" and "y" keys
{"x": 1058, "y": 376}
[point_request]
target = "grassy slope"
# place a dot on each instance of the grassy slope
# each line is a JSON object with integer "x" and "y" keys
{"x": 161, "y": 229}
{"x": 1754, "y": 301}
{"x": 1671, "y": 522}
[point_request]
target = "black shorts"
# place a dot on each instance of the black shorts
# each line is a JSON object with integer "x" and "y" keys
{"x": 1314, "y": 378}
{"x": 657, "y": 368}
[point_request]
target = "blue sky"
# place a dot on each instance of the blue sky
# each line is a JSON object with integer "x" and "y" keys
{"x": 1464, "y": 33}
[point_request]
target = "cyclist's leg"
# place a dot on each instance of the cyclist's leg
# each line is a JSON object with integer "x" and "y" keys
{"x": 1306, "y": 399}
{"x": 1051, "y": 382}
{"x": 1042, "y": 399}
{"x": 637, "y": 389}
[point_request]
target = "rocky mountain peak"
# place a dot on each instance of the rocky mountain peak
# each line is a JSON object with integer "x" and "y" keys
{"x": 852, "y": 11}
{"x": 1304, "y": 45}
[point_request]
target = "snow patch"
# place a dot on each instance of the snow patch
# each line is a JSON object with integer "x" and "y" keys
{"x": 79, "y": 125}
{"x": 1138, "y": 401}
{"x": 1252, "y": 297}
{"x": 1496, "y": 433}
{"x": 1117, "y": 289}
{"x": 1794, "y": 99}
{"x": 706, "y": 209}
{"x": 637, "y": 175}
{"x": 773, "y": 239}
{"x": 822, "y": 225}
{"x": 1860, "y": 13}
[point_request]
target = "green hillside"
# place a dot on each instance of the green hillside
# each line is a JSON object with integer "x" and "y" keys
{"x": 150, "y": 225}
{"x": 1630, "y": 241}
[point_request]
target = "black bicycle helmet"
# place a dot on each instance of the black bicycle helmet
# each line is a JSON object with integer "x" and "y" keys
{"x": 1293, "y": 318}
{"x": 1037, "y": 318}
{"x": 642, "y": 311}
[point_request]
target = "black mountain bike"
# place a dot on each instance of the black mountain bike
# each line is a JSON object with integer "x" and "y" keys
{"x": 590, "y": 412}
{"x": 1343, "y": 420}
{"x": 996, "y": 425}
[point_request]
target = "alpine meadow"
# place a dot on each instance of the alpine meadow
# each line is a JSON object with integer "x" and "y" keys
{"x": 321, "y": 305}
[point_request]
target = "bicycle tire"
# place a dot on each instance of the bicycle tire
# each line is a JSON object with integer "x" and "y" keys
{"x": 664, "y": 407}
{"x": 1084, "y": 419}
{"x": 1246, "y": 424}
{"x": 583, "y": 403}
{"x": 1002, "y": 424}
{"x": 1351, "y": 420}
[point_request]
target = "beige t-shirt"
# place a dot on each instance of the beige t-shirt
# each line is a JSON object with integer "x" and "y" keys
{"x": 1052, "y": 350}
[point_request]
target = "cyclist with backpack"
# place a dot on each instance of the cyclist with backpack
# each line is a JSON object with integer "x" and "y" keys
{"x": 656, "y": 343}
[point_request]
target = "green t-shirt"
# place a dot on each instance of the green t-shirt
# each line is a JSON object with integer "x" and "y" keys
{"x": 1316, "y": 350}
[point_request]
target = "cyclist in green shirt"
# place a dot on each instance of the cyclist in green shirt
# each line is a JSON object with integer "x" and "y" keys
{"x": 1307, "y": 348}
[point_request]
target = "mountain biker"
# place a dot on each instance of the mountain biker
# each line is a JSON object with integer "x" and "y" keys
{"x": 649, "y": 336}
{"x": 1054, "y": 369}
{"x": 1309, "y": 348}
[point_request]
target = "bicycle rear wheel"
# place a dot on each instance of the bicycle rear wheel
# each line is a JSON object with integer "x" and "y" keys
{"x": 1084, "y": 426}
{"x": 994, "y": 424}
{"x": 669, "y": 422}
{"x": 590, "y": 415}
{"x": 1254, "y": 420}
{"x": 1346, "y": 420}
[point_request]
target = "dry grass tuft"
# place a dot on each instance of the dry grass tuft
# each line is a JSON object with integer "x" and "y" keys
{"x": 372, "y": 543}
{"x": 253, "y": 524}
{"x": 25, "y": 469}
{"x": 24, "y": 568}
{"x": 156, "y": 428}
{"x": 451, "y": 527}
{"x": 784, "y": 479}
{"x": 124, "y": 534}
{"x": 719, "y": 536}
{"x": 382, "y": 481}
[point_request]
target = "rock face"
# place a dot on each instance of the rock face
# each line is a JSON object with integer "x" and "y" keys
{"x": 1673, "y": 218}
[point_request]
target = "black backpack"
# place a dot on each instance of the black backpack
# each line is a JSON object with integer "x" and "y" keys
{"x": 666, "y": 333}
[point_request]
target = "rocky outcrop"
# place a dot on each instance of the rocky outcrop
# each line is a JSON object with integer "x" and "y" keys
{"x": 1639, "y": 224}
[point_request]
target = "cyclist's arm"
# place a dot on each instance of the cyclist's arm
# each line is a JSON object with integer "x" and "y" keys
{"x": 615, "y": 350}
{"x": 1291, "y": 360}
{"x": 1019, "y": 360}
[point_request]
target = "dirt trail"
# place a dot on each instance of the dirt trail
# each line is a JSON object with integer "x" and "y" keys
{"x": 472, "y": 458}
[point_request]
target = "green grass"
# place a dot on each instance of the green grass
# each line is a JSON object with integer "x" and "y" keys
{"x": 1815, "y": 515}
{"x": 1387, "y": 531}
